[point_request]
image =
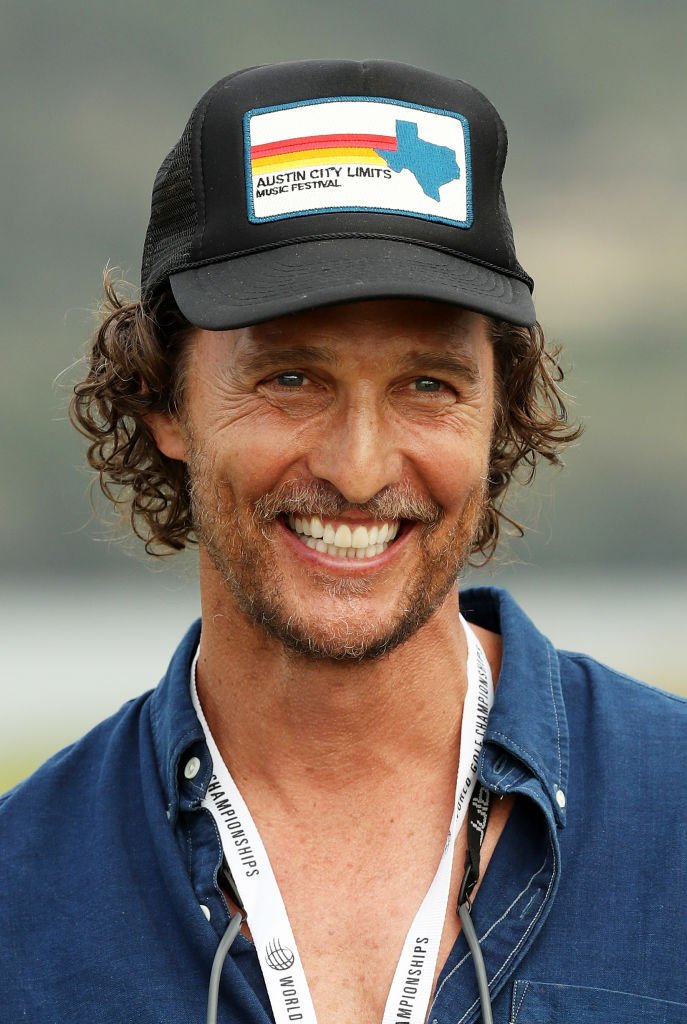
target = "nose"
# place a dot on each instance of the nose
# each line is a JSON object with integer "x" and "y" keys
{"x": 357, "y": 452}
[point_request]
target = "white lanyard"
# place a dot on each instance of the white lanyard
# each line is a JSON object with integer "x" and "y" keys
{"x": 250, "y": 867}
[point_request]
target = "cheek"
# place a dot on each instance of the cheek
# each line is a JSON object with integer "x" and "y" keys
{"x": 455, "y": 477}
{"x": 252, "y": 462}
{"x": 453, "y": 460}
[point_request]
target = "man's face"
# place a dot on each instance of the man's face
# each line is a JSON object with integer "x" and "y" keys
{"x": 338, "y": 463}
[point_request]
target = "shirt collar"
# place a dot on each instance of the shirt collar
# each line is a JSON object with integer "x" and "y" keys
{"x": 526, "y": 743}
{"x": 175, "y": 725}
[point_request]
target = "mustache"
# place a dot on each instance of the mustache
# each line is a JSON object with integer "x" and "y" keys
{"x": 316, "y": 498}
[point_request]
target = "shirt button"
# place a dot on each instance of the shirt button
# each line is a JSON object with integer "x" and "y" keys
{"x": 206, "y": 911}
{"x": 560, "y": 798}
{"x": 192, "y": 767}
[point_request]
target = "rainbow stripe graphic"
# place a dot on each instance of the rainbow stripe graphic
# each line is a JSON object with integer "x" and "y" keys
{"x": 309, "y": 150}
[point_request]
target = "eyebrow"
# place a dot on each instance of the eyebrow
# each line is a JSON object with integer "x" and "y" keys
{"x": 265, "y": 359}
{"x": 455, "y": 365}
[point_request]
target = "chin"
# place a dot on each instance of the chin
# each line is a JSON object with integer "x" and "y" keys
{"x": 346, "y": 641}
{"x": 341, "y": 620}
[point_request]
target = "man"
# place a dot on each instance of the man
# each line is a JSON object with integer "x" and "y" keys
{"x": 358, "y": 805}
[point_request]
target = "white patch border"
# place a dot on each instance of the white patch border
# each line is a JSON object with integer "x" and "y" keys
{"x": 467, "y": 223}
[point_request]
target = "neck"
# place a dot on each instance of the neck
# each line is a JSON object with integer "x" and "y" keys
{"x": 279, "y": 717}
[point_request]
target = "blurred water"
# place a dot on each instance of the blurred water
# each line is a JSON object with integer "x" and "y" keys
{"x": 73, "y": 652}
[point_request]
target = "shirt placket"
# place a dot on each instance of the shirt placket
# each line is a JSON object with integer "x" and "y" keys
{"x": 510, "y": 907}
{"x": 197, "y": 833}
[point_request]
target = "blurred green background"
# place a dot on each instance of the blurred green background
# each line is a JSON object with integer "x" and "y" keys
{"x": 593, "y": 94}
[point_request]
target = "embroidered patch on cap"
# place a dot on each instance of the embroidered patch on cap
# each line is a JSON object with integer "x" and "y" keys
{"x": 358, "y": 153}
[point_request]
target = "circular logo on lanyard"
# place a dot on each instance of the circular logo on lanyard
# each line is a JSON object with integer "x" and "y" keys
{"x": 278, "y": 957}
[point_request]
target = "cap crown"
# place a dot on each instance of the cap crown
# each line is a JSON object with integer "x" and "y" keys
{"x": 205, "y": 208}
{"x": 306, "y": 184}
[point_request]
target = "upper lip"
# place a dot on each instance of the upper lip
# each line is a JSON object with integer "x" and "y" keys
{"x": 349, "y": 516}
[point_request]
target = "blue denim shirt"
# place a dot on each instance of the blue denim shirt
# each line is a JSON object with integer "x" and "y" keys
{"x": 109, "y": 865}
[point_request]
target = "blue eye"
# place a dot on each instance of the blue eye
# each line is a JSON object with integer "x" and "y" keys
{"x": 290, "y": 379}
{"x": 427, "y": 384}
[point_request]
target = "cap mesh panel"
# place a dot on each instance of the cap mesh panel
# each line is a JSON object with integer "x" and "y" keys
{"x": 509, "y": 242}
{"x": 173, "y": 217}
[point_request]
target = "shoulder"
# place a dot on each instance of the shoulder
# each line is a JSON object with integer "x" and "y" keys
{"x": 147, "y": 727}
{"x": 628, "y": 756}
{"x": 587, "y": 684}
{"x": 99, "y": 789}
{"x": 58, "y": 795}
{"x": 567, "y": 707}
{"x": 608, "y": 693}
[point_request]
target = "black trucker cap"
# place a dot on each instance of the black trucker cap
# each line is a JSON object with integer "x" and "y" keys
{"x": 312, "y": 183}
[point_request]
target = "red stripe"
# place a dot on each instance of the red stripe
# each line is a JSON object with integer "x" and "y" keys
{"x": 325, "y": 142}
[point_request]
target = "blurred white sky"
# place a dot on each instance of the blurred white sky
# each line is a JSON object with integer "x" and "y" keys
{"x": 72, "y": 653}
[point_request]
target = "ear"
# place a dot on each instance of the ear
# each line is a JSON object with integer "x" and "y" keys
{"x": 168, "y": 435}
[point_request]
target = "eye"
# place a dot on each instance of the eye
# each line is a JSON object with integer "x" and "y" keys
{"x": 427, "y": 384}
{"x": 290, "y": 379}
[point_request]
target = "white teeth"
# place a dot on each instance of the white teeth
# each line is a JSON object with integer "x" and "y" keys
{"x": 359, "y": 538}
{"x": 333, "y": 549}
{"x": 342, "y": 537}
{"x": 340, "y": 540}
{"x": 329, "y": 534}
{"x": 316, "y": 527}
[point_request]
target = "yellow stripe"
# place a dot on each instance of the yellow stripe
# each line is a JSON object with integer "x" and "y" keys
{"x": 307, "y": 158}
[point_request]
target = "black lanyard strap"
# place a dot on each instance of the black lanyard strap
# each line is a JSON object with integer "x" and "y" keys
{"x": 478, "y": 815}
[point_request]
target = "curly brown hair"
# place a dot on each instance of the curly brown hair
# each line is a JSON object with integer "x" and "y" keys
{"x": 136, "y": 365}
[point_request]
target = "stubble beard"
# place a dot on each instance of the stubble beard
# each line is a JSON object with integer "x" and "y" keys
{"x": 243, "y": 543}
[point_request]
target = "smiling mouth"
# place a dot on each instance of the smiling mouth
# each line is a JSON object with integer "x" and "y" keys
{"x": 343, "y": 540}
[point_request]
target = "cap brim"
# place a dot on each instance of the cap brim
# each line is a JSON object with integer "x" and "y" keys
{"x": 307, "y": 275}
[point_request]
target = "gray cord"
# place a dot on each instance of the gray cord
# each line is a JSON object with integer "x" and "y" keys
{"x": 233, "y": 928}
{"x": 480, "y": 971}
